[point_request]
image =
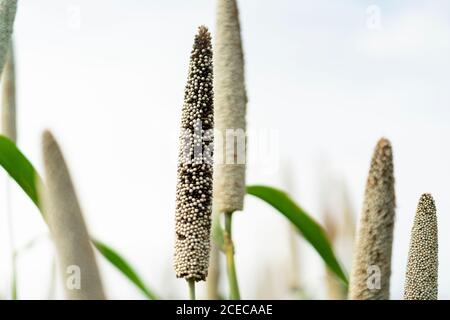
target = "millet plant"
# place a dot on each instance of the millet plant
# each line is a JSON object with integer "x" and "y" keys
{"x": 229, "y": 114}
{"x": 195, "y": 167}
{"x": 215, "y": 103}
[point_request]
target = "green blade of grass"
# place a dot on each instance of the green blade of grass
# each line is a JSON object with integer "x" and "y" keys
{"x": 122, "y": 265}
{"x": 19, "y": 168}
{"x": 22, "y": 171}
{"x": 310, "y": 229}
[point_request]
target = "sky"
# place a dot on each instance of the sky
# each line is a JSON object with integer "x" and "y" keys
{"x": 325, "y": 80}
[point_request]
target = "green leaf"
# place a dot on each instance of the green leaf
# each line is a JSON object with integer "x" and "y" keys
{"x": 19, "y": 168}
{"x": 23, "y": 172}
{"x": 120, "y": 263}
{"x": 310, "y": 229}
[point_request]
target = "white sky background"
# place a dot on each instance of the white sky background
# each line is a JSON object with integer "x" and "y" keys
{"x": 111, "y": 89}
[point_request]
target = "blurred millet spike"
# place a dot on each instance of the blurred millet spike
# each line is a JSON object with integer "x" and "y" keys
{"x": 422, "y": 268}
{"x": 374, "y": 240}
{"x": 195, "y": 167}
{"x": 69, "y": 233}
{"x": 7, "y": 15}
{"x": 230, "y": 109}
{"x": 9, "y": 97}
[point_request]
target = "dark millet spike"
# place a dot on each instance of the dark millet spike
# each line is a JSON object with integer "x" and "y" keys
{"x": 194, "y": 182}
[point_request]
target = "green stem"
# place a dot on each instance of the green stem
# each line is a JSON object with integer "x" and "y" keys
{"x": 11, "y": 240}
{"x": 229, "y": 253}
{"x": 191, "y": 283}
{"x": 14, "y": 282}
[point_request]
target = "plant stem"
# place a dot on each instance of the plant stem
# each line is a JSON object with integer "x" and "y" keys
{"x": 52, "y": 286}
{"x": 191, "y": 283}
{"x": 11, "y": 241}
{"x": 212, "y": 282}
{"x": 229, "y": 253}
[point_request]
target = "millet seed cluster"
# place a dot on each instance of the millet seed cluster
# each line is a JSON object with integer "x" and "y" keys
{"x": 194, "y": 184}
{"x": 375, "y": 235}
{"x": 229, "y": 109}
{"x": 422, "y": 269}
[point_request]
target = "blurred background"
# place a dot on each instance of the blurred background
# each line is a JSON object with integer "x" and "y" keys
{"x": 325, "y": 79}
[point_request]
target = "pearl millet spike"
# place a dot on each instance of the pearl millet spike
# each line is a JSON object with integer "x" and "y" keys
{"x": 7, "y": 15}
{"x": 195, "y": 167}
{"x": 371, "y": 269}
{"x": 229, "y": 107}
{"x": 9, "y": 97}
{"x": 63, "y": 215}
{"x": 422, "y": 269}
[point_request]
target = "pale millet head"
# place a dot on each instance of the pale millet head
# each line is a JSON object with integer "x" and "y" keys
{"x": 8, "y": 82}
{"x": 422, "y": 269}
{"x": 230, "y": 109}
{"x": 65, "y": 220}
{"x": 194, "y": 183}
{"x": 8, "y": 10}
{"x": 374, "y": 241}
